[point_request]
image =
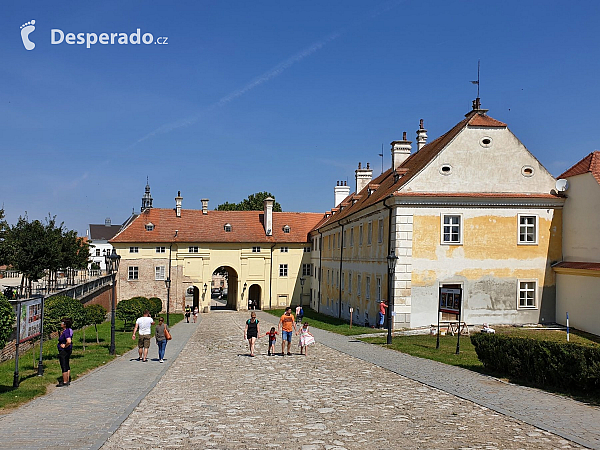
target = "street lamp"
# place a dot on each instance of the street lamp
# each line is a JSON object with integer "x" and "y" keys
{"x": 168, "y": 285}
{"x": 302, "y": 279}
{"x": 391, "y": 260}
{"x": 112, "y": 263}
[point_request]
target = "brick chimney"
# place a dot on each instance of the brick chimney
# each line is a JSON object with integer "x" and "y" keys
{"x": 421, "y": 136}
{"x": 340, "y": 192}
{"x": 400, "y": 151}
{"x": 204, "y": 205}
{"x": 268, "y": 215}
{"x": 178, "y": 200}
{"x": 363, "y": 177}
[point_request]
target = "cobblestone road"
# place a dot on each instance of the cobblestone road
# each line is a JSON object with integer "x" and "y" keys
{"x": 214, "y": 396}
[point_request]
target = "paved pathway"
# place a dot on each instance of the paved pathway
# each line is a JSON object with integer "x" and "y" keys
{"x": 214, "y": 396}
{"x": 86, "y": 413}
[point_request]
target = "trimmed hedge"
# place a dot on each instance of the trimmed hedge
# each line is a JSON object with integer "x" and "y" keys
{"x": 559, "y": 365}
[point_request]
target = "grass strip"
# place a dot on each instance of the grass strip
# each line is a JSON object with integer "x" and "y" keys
{"x": 95, "y": 355}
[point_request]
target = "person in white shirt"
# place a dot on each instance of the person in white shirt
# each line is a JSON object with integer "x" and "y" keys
{"x": 144, "y": 324}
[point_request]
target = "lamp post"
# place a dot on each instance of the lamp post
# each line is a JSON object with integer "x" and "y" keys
{"x": 302, "y": 279}
{"x": 168, "y": 285}
{"x": 112, "y": 263}
{"x": 391, "y": 260}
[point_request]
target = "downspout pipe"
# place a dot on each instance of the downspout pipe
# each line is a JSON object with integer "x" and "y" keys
{"x": 319, "y": 277}
{"x": 340, "y": 274}
{"x": 271, "y": 279}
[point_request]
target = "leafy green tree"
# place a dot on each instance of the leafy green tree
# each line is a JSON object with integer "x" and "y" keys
{"x": 254, "y": 202}
{"x": 155, "y": 306}
{"x": 4, "y": 228}
{"x": 59, "y": 306}
{"x": 96, "y": 315}
{"x": 7, "y": 320}
{"x": 129, "y": 310}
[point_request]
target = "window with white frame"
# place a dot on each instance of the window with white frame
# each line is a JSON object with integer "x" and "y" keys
{"x": 134, "y": 249}
{"x": 369, "y": 233}
{"x": 527, "y": 294}
{"x": 349, "y": 282}
{"x": 161, "y": 249}
{"x": 358, "y": 285}
{"x": 306, "y": 249}
{"x": 360, "y": 235}
{"x": 352, "y": 237}
{"x": 451, "y": 229}
{"x": 368, "y": 288}
{"x": 193, "y": 249}
{"x": 378, "y": 292}
{"x": 132, "y": 273}
{"x": 284, "y": 249}
{"x": 337, "y": 279}
{"x": 334, "y": 235}
{"x": 306, "y": 270}
{"x": 227, "y": 227}
{"x": 159, "y": 273}
{"x": 97, "y": 252}
{"x": 329, "y": 242}
{"x": 528, "y": 229}
{"x": 149, "y": 227}
{"x": 283, "y": 270}
{"x": 338, "y": 240}
{"x": 327, "y": 277}
{"x": 380, "y": 231}
{"x": 255, "y": 249}
{"x": 344, "y": 244}
{"x": 286, "y": 229}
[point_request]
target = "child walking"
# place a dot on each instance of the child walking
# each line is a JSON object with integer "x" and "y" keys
{"x": 272, "y": 339}
{"x": 306, "y": 338}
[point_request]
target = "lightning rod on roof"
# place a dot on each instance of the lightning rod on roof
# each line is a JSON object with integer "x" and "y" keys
{"x": 477, "y": 82}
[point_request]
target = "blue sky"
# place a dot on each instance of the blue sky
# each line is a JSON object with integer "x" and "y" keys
{"x": 281, "y": 96}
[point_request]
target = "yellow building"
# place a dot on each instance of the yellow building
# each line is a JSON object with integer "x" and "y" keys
{"x": 265, "y": 254}
{"x": 472, "y": 210}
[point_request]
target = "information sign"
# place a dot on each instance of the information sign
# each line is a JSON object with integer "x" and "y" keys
{"x": 31, "y": 319}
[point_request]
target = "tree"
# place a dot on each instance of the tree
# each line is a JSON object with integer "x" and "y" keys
{"x": 96, "y": 315}
{"x": 129, "y": 310}
{"x": 7, "y": 320}
{"x": 59, "y": 306}
{"x": 155, "y": 306}
{"x": 254, "y": 202}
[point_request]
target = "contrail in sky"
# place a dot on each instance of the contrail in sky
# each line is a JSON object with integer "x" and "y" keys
{"x": 269, "y": 75}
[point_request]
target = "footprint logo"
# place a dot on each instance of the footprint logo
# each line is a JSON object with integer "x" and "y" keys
{"x": 26, "y": 30}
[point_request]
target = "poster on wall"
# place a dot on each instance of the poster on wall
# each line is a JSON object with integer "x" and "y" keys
{"x": 450, "y": 300}
{"x": 31, "y": 319}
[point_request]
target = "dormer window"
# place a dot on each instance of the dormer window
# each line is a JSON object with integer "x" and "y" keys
{"x": 227, "y": 227}
{"x": 149, "y": 227}
{"x": 286, "y": 229}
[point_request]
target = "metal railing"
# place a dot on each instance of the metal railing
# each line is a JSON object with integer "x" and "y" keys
{"x": 83, "y": 290}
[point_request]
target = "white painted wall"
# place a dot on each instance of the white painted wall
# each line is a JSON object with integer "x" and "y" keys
{"x": 581, "y": 220}
{"x": 580, "y": 297}
{"x": 475, "y": 168}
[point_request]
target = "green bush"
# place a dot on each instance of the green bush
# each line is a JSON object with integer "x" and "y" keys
{"x": 155, "y": 306}
{"x": 55, "y": 308}
{"x": 565, "y": 365}
{"x": 145, "y": 304}
{"x": 7, "y": 320}
{"x": 129, "y": 310}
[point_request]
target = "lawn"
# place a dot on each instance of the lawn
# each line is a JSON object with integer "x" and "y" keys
{"x": 95, "y": 355}
{"x": 328, "y": 323}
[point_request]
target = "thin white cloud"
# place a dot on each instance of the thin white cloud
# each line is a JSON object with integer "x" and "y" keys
{"x": 267, "y": 76}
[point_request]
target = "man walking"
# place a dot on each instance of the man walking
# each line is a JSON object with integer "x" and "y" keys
{"x": 144, "y": 324}
{"x": 286, "y": 324}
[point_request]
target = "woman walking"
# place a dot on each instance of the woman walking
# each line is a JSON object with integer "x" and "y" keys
{"x": 251, "y": 331}
{"x": 161, "y": 338}
{"x": 65, "y": 347}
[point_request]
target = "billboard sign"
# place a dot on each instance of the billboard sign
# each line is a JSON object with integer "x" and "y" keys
{"x": 450, "y": 300}
{"x": 31, "y": 319}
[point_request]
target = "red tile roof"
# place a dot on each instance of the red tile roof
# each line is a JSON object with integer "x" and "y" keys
{"x": 589, "y": 164}
{"x": 578, "y": 265}
{"x": 193, "y": 226}
{"x": 386, "y": 182}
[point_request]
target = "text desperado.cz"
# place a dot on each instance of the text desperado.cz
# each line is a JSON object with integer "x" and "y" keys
{"x": 58, "y": 37}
